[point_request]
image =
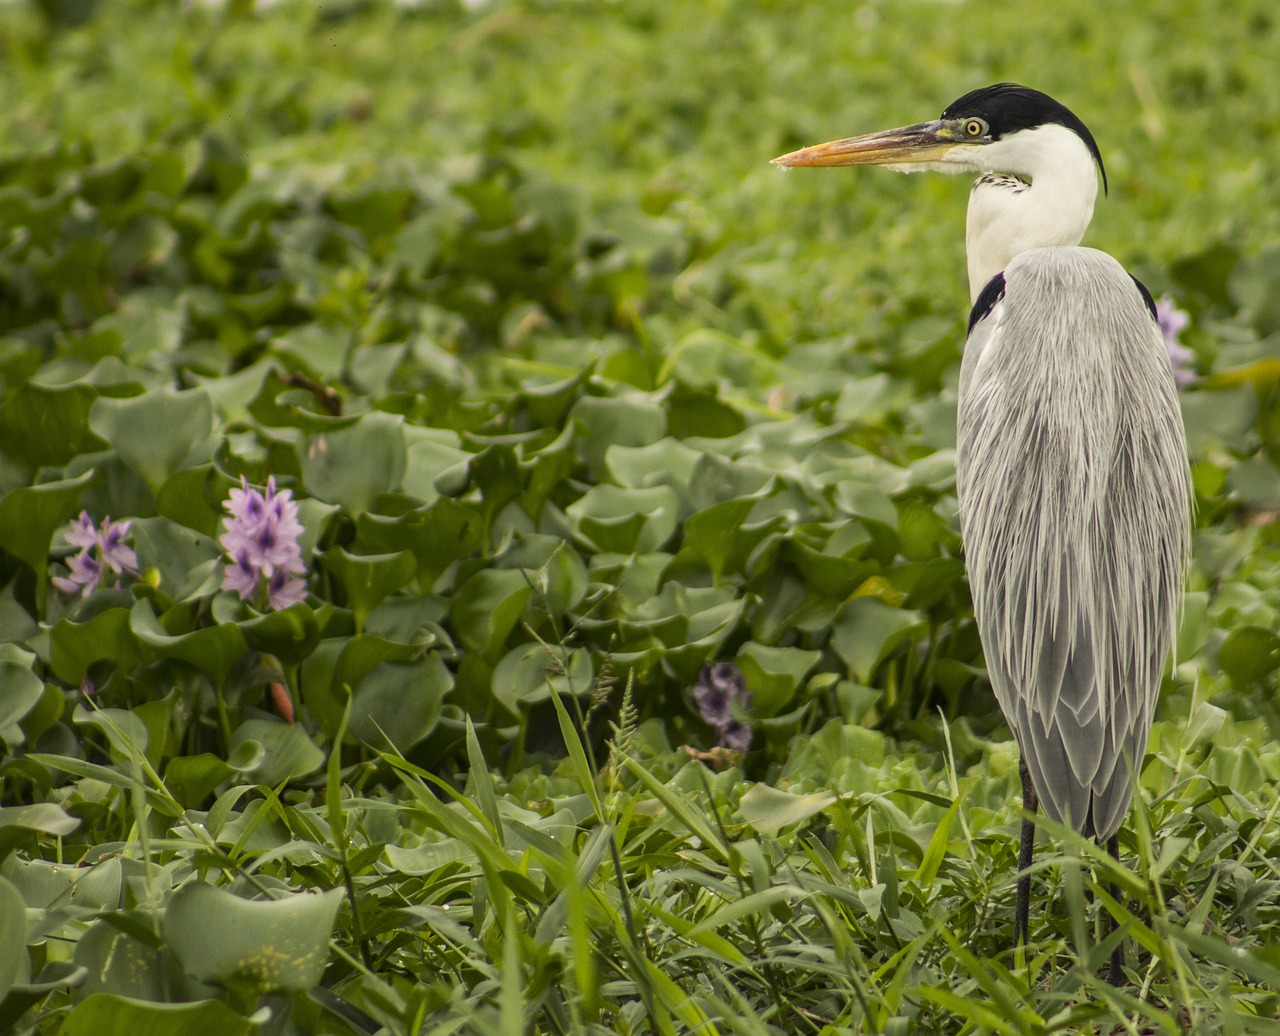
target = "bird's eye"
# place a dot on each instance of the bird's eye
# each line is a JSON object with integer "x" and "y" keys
{"x": 975, "y": 128}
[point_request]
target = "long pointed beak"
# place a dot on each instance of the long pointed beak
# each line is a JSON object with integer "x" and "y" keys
{"x": 923, "y": 142}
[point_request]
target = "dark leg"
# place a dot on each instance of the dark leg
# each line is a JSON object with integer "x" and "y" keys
{"x": 1115, "y": 974}
{"x": 1026, "y": 850}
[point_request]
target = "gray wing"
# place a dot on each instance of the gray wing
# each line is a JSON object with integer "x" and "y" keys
{"x": 1075, "y": 507}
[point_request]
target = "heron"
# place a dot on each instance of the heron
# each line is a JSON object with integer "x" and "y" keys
{"x": 1071, "y": 458}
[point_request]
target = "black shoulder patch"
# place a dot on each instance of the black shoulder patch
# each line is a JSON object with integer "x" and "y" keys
{"x": 987, "y": 299}
{"x": 1146, "y": 297}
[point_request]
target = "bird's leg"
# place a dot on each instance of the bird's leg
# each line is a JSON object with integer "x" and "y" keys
{"x": 1115, "y": 973}
{"x": 1026, "y": 850}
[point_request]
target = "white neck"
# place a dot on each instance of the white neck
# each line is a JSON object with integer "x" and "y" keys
{"x": 1052, "y": 206}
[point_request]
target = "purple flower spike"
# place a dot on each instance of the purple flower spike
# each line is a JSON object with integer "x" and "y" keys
{"x": 1173, "y": 322}
{"x": 102, "y": 551}
{"x": 719, "y": 689}
{"x": 261, "y": 540}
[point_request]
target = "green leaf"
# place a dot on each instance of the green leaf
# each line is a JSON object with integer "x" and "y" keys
{"x": 400, "y": 702}
{"x": 867, "y": 631}
{"x": 257, "y": 946}
{"x": 774, "y": 675}
{"x": 287, "y": 751}
{"x": 611, "y": 518}
{"x": 290, "y": 635}
{"x": 48, "y": 426}
{"x": 23, "y": 689}
{"x": 104, "y": 1014}
{"x": 29, "y": 517}
{"x": 1249, "y": 655}
{"x": 13, "y": 938}
{"x": 367, "y": 579}
{"x": 438, "y": 535}
{"x": 214, "y": 650}
{"x": 769, "y": 810}
{"x": 157, "y": 432}
{"x": 352, "y": 465}
{"x": 75, "y": 646}
{"x": 18, "y": 824}
{"x": 486, "y": 608}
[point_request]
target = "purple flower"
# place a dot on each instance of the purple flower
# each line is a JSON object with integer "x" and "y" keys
{"x": 1173, "y": 322}
{"x": 261, "y": 541}
{"x": 102, "y": 551}
{"x": 721, "y": 696}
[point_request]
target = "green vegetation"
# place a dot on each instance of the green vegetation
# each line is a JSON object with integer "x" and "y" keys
{"x": 575, "y": 394}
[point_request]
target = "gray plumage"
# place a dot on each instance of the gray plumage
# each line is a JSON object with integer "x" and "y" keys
{"x": 1074, "y": 501}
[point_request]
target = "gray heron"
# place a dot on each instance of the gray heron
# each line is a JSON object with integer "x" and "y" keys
{"x": 1072, "y": 475}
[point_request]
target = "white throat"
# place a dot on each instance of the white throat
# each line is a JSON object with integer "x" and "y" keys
{"x": 1047, "y": 200}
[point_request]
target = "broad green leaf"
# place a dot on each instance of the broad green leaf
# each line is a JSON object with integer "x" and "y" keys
{"x": 769, "y": 810}
{"x": 104, "y": 1014}
{"x": 1249, "y": 655}
{"x": 157, "y": 432}
{"x": 214, "y": 650}
{"x": 438, "y": 535}
{"x": 774, "y": 675}
{"x": 48, "y": 426}
{"x": 351, "y": 466}
{"x": 290, "y": 635}
{"x": 867, "y": 631}
{"x": 399, "y": 702}
{"x": 13, "y": 938}
{"x": 258, "y": 946}
{"x": 29, "y": 517}
{"x": 621, "y": 421}
{"x": 528, "y": 674}
{"x": 487, "y": 606}
{"x": 107, "y": 635}
{"x": 287, "y": 751}
{"x": 19, "y": 824}
{"x": 22, "y": 690}
{"x": 368, "y": 578}
{"x": 611, "y": 518}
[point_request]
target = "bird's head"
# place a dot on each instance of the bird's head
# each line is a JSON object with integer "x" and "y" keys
{"x": 1003, "y": 128}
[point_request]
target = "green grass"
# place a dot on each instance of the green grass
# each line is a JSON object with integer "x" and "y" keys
{"x": 577, "y": 393}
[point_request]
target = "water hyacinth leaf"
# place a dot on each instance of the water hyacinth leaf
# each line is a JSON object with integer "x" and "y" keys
{"x": 1249, "y": 655}
{"x": 14, "y": 966}
{"x": 48, "y": 426}
{"x": 351, "y": 466}
{"x": 867, "y": 631}
{"x": 75, "y": 646}
{"x": 359, "y": 655}
{"x": 438, "y": 535}
{"x": 367, "y": 579}
{"x": 287, "y": 750}
{"x": 23, "y": 689}
{"x": 529, "y": 673}
{"x": 193, "y": 778}
{"x": 173, "y": 550}
{"x": 611, "y": 518}
{"x": 665, "y": 462}
{"x": 29, "y": 517}
{"x": 154, "y": 433}
{"x": 125, "y": 733}
{"x": 290, "y": 635}
{"x": 255, "y": 946}
{"x": 22, "y": 824}
{"x": 555, "y": 570}
{"x": 769, "y": 810}
{"x": 105, "y": 1014}
{"x": 214, "y": 650}
{"x": 616, "y": 420}
{"x": 399, "y": 702}
{"x": 774, "y": 675}
{"x": 486, "y": 608}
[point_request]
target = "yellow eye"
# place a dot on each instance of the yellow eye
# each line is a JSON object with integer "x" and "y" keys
{"x": 974, "y": 128}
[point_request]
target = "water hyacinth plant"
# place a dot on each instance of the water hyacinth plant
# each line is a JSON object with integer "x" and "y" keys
{"x": 103, "y": 552}
{"x": 722, "y": 698}
{"x": 1173, "y": 321}
{"x": 261, "y": 541}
